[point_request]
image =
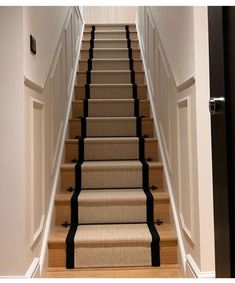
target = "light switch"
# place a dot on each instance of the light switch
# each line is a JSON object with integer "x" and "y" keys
{"x": 32, "y": 44}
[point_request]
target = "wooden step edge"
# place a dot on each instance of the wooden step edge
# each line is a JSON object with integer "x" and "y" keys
{"x": 58, "y": 236}
{"x": 163, "y": 266}
{"x": 110, "y": 71}
{"x": 112, "y": 49}
{"x": 111, "y": 39}
{"x": 109, "y": 24}
{"x": 159, "y": 197}
{"x": 75, "y": 141}
{"x": 163, "y": 271}
{"x": 110, "y": 59}
{"x": 77, "y": 101}
{"x": 78, "y": 119}
{"x": 71, "y": 166}
{"x": 103, "y": 85}
{"x": 110, "y": 31}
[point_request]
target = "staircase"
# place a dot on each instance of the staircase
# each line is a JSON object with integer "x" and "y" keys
{"x": 111, "y": 211}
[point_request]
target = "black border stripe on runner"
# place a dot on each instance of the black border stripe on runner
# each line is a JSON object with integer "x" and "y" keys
{"x": 70, "y": 246}
{"x": 78, "y": 167}
{"x": 155, "y": 245}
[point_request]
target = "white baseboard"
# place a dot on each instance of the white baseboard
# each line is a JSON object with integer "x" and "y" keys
{"x": 57, "y": 165}
{"x": 32, "y": 271}
{"x": 194, "y": 271}
{"x": 164, "y": 159}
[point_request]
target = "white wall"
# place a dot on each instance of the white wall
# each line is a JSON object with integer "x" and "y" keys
{"x": 35, "y": 100}
{"x": 109, "y": 14}
{"x": 12, "y": 150}
{"x": 174, "y": 43}
{"x": 177, "y": 35}
{"x": 45, "y": 25}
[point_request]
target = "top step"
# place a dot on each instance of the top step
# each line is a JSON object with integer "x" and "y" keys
{"x": 101, "y": 27}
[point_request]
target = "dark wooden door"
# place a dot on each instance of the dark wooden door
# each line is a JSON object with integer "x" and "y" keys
{"x": 222, "y": 88}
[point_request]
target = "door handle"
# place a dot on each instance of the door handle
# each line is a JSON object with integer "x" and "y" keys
{"x": 216, "y": 105}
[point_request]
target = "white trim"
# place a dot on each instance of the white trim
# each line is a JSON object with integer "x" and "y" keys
{"x": 40, "y": 105}
{"x": 185, "y": 102}
{"x": 32, "y": 270}
{"x": 57, "y": 167}
{"x": 30, "y": 273}
{"x": 164, "y": 161}
{"x": 196, "y": 271}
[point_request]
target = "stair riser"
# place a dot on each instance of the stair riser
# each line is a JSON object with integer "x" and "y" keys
{"x": 168, "y": 254}
{"x": 110, "y": 35}
{"x": 110, "y": 54}
{"x": 135, "y": 178}
{"x": 86, "y": 44}
{"x": 110, "y": 129}
{"x": 112, "y": 77}
{"x": 111, "y": 65}
{"x": 110, "y": 109}
{"x": 110, "y": 151}
{"x": 88, "y": 28}
{"x": 100, "y": 92}
{"x": 63, "y": 213}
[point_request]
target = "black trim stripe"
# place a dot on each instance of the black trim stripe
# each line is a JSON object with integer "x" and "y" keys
{"x": 91, "y": 43}
{"x": 132, "y": 76}
{"x": 139, "y": 126}
{"x": 78, "y": 175}
{"x": 155, "y": 249}
{"x": 127, "y": 32}
{"x": 89, "y": 61}
{"x": 130, "y": 52}
{"x": 83, "y": 127}
{"x": 131, "y": 64}
{"x": 81, "y": 149}
{"x": 134, "y": 90}
{"x": 74, "y": 206}
{"x": 85, "y": 108}
{"x": 90, "y": 53}
{"x": 87, "y": 91}
{"x": 141, "y": 149}
{"x": 88, "y": 77}
{"x": 70, "y": 246}
{"x": 136, "y": 107}
{"x": 128, "y": 43}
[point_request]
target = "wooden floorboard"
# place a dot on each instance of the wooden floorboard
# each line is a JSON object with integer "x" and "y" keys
{"x": 169, "y": 271}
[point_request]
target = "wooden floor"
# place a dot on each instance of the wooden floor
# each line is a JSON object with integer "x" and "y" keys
{"x": 169, "y": 271}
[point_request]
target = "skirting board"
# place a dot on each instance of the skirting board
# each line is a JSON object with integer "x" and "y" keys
{"x": 194, "y": 271}
{"x": 32, "y": 271}
{"x": 164, "y": 160}
{"x": 58, "y": 163}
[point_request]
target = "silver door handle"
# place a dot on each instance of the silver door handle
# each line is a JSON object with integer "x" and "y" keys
{"x": 216, "y": 105}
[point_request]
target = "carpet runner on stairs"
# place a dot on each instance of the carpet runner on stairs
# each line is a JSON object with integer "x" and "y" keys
{"x": 107, "y": 176}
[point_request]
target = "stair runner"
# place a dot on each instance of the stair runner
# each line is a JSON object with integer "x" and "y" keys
{"x": 112, "y": 222}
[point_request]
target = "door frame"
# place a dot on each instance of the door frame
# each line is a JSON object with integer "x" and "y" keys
{"x": 222, "y": 142}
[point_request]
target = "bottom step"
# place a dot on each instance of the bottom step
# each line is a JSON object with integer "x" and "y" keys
{"x": 117, "y": 246}
{"x": 165, "y": 271}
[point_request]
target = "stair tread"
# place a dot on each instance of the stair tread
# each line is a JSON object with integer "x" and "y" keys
{"x": 109, "y": 71}
{"x": 106, "y": 100}
{"x": 59, "y": 234}
{"x": 131, "y": 194}
{"x": 111, "y": 49}
{"x": 109, "y": 39}
{"x": 111, "y": 139}
{"x": 110, "y": 118}
{"x": 109, "y": 163}
{"x": 109, "y": 85}
{"x": 163, "y": 271}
